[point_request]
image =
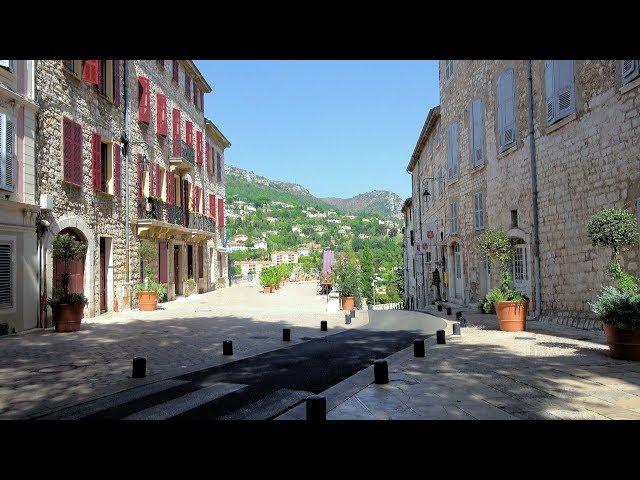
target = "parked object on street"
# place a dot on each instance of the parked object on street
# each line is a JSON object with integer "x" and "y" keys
{"x": 418, "y": 347}
{"x": 139, "y": 367}
{"x": 316, "y": 408}
{"x": 618, "y": 306}
{"x": 67, "y": 307}
{"x": 286, "y": 334}
{"x": 381, "y": 372}
{"x": 440, "y": 337}
{"x": 323, "y": 326}
{"x": 227, "y": 347}
{"x": 149, "y": 290}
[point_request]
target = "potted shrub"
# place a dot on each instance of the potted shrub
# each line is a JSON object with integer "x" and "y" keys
{"x": 347, "y": 277}
{"x": 148, "y": 291}
{"x": 510, "y": 305}
{"x": 618, "y": 306}
{"x": 267, "y": 279}
{"x": 67, "y": 307}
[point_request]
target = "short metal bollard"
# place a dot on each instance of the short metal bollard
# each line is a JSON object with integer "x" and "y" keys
{"x": 458, "y": 314}
{"x": 352, "y": 313}
{"x": 463, "y": 321}
{"x": 456, "y": 329}
{"x": 316, "y": 408}
{"x": 448, "y": 310}
{"x": 439, "y": 307}
{"x": 286, "y": 334}
{"x": 440, "y": 337}
{"x": 418, "y": 347}
{"x": 380, "y": 371}
{"x": 227, "y": 347}
{"x": 347, "y": 319}
{"x": 139, "y": 369}
{"x": 323, "y": 326}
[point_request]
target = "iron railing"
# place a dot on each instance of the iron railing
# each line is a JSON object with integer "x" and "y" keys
{"x": 182, "y": 149}
{"x": 152, "y": 208}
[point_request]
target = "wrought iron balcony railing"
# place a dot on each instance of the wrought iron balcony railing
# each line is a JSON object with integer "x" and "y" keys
{"x": 182, "y": 149}
{"x": 202, "y": 222}
{"x": 154, "y": 209}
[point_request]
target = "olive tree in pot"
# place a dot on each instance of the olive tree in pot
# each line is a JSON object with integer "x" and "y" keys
{"x": 148, "y": 291}
{"x": 268, "y": 279}
{"x": 509, "y": 304}
{"x": 67, "y": 307}
{"x": 618, "y": 305}
{"x": 347, "y": 277}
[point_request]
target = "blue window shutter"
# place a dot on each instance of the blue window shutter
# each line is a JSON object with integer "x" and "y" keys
{"x": 449, "y": 152}
{"x": 564, "y": 88}
{"x": 549, "y": 86}
{"x": 506, "y": 114}
{"x": 478, "y": 133}
{"x": 7, "y": 149}
{"x": 630, "y": 70}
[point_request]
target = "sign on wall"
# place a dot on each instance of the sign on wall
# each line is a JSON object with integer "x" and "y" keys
{"x": 428, "y": 242}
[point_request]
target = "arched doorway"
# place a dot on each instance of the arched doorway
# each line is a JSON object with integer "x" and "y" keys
{"x": 75, "y": 267}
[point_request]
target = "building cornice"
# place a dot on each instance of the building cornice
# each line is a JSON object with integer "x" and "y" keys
{"x": 407, "y": 203}
{"x": 432, "y": 118}
{"x": 18, "y": 98}
{"x": 215, "y": 132}
{"x": 189, "y": 65}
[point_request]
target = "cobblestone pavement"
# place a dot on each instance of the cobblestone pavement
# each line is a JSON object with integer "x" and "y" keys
{"x": 43, "y": 370}
{"x": 548, "y": 372}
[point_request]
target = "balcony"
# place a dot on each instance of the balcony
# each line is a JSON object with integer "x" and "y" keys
{"x": 183, "y": 158}
{"x": 161, "y": 221}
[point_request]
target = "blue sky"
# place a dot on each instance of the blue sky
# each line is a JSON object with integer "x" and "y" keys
{"x": 338, "y": 128}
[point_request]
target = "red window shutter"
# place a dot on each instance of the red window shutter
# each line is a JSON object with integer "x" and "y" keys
{"x": 219, "y": 167}
{"x": 116, "y": 169}
{"x": 68, "y": 133}
{"x": 76, "y": 174}
{"x": 96, "y": 162}
{"x": 204, "y": 202}
{"x": 221, "y": 212}
{"x": 199, "y": 147}
{"x": 177, "y": 139}
{"x": 144, "y": 99}
{"x": 170, "y": 188}
{"x": 207, "y": 150}
{"x": 116, "y": 82}
{"x": 140, "y": 173}
{"x": 189, "y": 134}
{"x": 212, "y": 205}
{"x": 90, "y": 71}
{"x": 187, "y": 86}
{"x": 202, "y": 101}
{"x": 162, "y": 262}
{"x": 161, "y": 114}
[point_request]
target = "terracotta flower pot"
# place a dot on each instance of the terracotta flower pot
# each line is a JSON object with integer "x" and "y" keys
{"x": 268, "y": 289}
{"x": 348, "y": 303}
{"x": 148, "y": 301}
{"x": 68, "y": 316}
{"x": 623, "y": 344}
{"x": 512, "y": 315}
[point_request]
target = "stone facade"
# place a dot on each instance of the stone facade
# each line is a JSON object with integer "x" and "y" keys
{"x": 587, "y": 160}
{"x": 19, "y": 210}
{"x": 98, "y": 215}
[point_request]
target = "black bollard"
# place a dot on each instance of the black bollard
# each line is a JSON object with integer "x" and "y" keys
{"x": 380, "y": 371}
{"x": 418, "y": 347}
{"x": 316, "y": 408}
{"x": 439, "y": 307}
{"x": 458, "y": 315}
{"x": 347, "y": 319}
{"x": 323, "y": 326}
{"x": 139, "y": 367}
{"x": 227, "y": 347}
{"x": 353, "y": 313}
{"x": 456, "y": 329}
{"x": 440, "y": 337}
{"x": 463, "y": 321}
{"x": 448, "y": 310}
{"x": 286, "y": 334}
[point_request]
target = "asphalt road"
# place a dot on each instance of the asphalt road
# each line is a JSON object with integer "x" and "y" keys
{"x": 265, "y": 386}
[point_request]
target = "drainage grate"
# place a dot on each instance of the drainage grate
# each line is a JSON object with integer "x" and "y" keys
{"x": 524, "y": 338}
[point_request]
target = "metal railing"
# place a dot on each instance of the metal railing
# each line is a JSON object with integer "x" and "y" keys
{"x": 152, "y": 208}
{"x": 182, "y": 149}
{"x": 202, "y": 222}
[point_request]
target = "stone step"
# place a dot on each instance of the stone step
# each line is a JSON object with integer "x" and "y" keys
{"x": 177, "y": 406}
{"x": 269, "y": 406}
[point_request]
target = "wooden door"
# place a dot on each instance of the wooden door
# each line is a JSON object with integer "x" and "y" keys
{"x": 103, "y": 276}
{"x": 176, "y": 269}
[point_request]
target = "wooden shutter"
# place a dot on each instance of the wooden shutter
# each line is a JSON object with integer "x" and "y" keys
{"x": 90, "y": 71}
{"x": 177, "y": 141}
{"x": 212, "y": 205}
{"x": 175, "y": 71}
{"x": 171, "y": 188}
{"x": 68, "y": 150}
{"x": 207, "y": 150}
{"x": 477, "y": 135}
{"x": 549, "y": 85}
{"x": 452, "y": 150}
{"x": 199, "y": 147}
{"x": 506, "y": 110}
{"x": 7, "y": 259}
{"x": 144, "y": 99}
{"x": 218, "y": 167}
{"x": 564, "y": 91}
{"x": 116, "y": 82}
{"x": 96, "y": 162}
{"x": 161, "y": 114}
{"x": 7, "y": 149}
{"x": 116, "y": 169}
{"x": 221, "y": 212}
{"x": 162, "y": 262}
{"x": 187, "y": 86}
{"x": 630, "y": 70}
{"x": 189, "y": 133}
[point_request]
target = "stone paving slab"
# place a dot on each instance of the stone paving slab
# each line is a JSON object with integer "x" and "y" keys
{"x": 550, "y": 372}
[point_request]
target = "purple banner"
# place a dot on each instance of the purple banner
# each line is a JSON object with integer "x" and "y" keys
{"x": 327, "y": 261}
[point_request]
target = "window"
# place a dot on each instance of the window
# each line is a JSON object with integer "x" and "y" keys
{"x": 219, "y": 167}
{"x": 102, "y": 162}
{"x": 560, "y": 91}
{"x": 428, "y": 256}
{"x": 630, "y": 70}
{"x": 478, "y": 208}
{"x": 7, "y": 153}
{"x": 476, "y": 127}
{"x": 452, "y": 151}
{"x": 514, "y": 218}
{"x": 506, "y": 111}
{"x": 454, "y": 217}
{"x": 448, "y": 69}
{"x": 7, "y": 274}
{"x": 187, "y": 86}
{"x": 104, "y": 167}
{"x": 73, "y": 66}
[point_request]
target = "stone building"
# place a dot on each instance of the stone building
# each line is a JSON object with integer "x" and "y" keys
{"x": 475, "y": 172}
{"x": 408, "y": 255}
{"x": 19, "y": 241}
{"x": 123, "y": 158}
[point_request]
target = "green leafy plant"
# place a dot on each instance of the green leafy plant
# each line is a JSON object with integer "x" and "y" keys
{"x": 347, "y": 276}
{"x": 618, "y": 307}
{"x": 613, "y": 228}
{"x": 148, "y": 253}
{"x": 269, "y": 277}
{"x": 66, "y": 248}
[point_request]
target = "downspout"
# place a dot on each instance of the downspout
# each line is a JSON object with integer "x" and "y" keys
{"x": 126, "y": 191}
{"x": 534, "y": 198}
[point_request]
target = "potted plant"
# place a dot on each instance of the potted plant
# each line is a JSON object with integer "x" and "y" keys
{"x": 148, "y": 291}
{"x": 67, "y": 307}
{"x": 267, "y": 277}
{"x": 618, "y": 306}
{"x": 347, "y": 277}
{"x": 510, "y": 305}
